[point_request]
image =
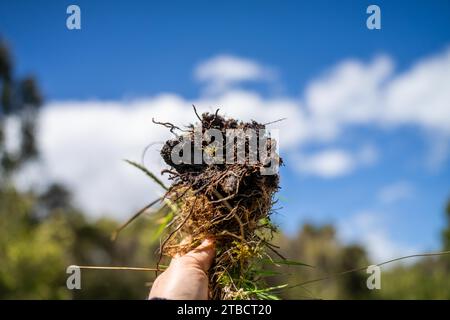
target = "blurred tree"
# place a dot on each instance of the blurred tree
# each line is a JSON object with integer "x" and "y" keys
{"x": 55, "y": 197}
{"x": 37, "y": 246}
{"x": 353, "y": 285}
{"x": 446, "y": 232}
{"x": 36, "y": 250}
{"x": 42, "y": 234}
{"x": 319, "y": 247}
{"x": 20, "y": 99}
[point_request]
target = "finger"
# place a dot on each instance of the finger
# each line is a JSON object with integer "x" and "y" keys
{"x": 204, "y": 254}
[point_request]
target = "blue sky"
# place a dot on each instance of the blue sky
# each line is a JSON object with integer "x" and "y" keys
{"x": 150, "y": 46}
{"x": 126, "y": 52}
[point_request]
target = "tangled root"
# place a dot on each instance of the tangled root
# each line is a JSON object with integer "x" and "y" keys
{"x": 230, "y": 202}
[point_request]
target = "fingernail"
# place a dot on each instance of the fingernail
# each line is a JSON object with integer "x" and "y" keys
{"x": 208, "y": 242}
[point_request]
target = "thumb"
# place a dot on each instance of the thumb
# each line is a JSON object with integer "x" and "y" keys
{"x": 204, "y": 254}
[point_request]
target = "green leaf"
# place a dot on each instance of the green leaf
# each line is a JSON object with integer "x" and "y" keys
{"x": 288, "y": 262}
{"x": 283, "y": 199}
{"x": 148, "y": 173}
{"x": 267, "y": 273}
{"x": 263, "y": 293}
{"x": 162, "y": 226}
{"x": 267, "y": 296}
{"x": 273, "y": 288}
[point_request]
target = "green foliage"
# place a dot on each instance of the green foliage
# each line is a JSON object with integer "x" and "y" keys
{"x": 41, "y": 237}
{"x": 19, "y": 98}
{"x": 425, "y": 279}
{"x": 36, "y": 247}
{"x": 32, "y": 253}
{"x": 150, "y": 174}
{"x": 446, "y": 232}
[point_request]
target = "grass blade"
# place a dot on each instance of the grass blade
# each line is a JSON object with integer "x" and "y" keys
{"x": 289, "y": 263}
{"x": 148, "y": 173}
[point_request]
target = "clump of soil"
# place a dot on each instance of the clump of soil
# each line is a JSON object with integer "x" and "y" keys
{"x": 230, "y": 202}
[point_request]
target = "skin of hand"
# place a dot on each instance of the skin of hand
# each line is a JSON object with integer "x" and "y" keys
{"x": 186, "y": 278}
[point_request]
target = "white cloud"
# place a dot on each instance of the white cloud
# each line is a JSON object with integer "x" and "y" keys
{"x": 247, "y": 105}
{"x": 83, "y": 142}
{"x": 12, "y": 128}
{"x": 334, "y": 163}
{"x": 350, "y": 92}
{"x": 357, "y": 93}
{"x": 370, "y": 229}
{"x": 327, "y": 164}
{"x": 421, "y": 96}
{"x": 395, "y": 192}
{"x": 223, "y": 71}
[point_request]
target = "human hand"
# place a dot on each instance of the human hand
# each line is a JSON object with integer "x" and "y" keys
{"x": 186, "y": 277}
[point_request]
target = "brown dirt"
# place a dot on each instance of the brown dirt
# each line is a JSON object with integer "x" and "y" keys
{"x": 230, "y": 202}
